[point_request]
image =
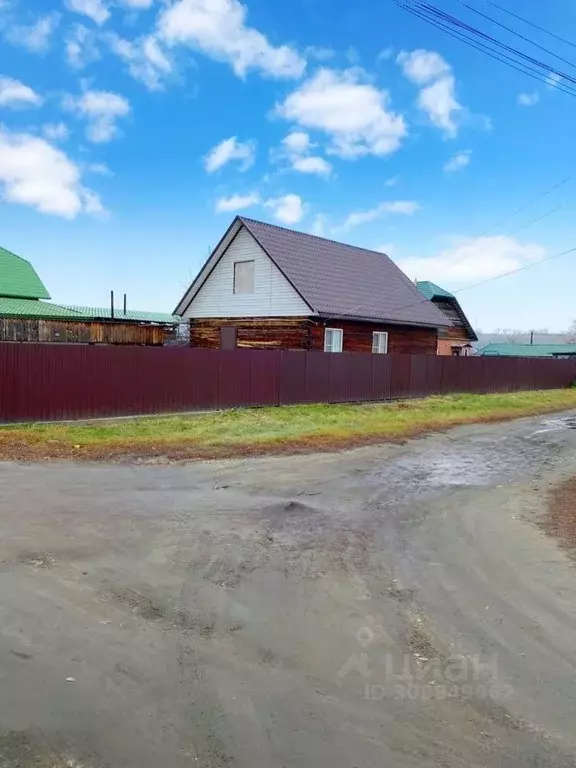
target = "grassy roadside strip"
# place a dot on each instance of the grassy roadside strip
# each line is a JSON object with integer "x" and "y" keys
{"x": 254, "y": 431}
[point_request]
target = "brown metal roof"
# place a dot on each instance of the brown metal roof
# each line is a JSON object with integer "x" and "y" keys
{"x": 339, "y": 280}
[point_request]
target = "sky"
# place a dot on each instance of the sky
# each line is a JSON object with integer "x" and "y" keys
{"x": 133, "y": 131}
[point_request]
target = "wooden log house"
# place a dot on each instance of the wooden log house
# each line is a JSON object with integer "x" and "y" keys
{"x": 267, "y": 287}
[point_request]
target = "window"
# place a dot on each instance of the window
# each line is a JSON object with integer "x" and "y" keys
{"x": 243, "y": 277}
{"x": 333, "y": 340}
{"x": 380, "y": 342}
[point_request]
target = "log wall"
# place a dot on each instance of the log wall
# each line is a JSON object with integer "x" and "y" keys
{"x": 74, "y": 332}
{"x": 402, "y": 339}
{"x": 308, "y": 333}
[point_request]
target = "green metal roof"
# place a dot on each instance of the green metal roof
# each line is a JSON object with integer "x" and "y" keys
{"x": 105, "y": 313}
{"x": 19, "y": 278}
{"x": 432, "y": 291}
{"x": 527, "y": 350}
{"x": 32, "y": 308}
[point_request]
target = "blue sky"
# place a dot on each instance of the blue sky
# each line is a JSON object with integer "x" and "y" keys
{"x": 132, "y": 131}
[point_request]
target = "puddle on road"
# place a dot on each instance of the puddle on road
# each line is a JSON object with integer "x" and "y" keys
{"x": 555, "y": 425}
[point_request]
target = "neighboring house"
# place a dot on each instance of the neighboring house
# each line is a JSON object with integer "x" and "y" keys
{"x": 26, "y": 316}
{"x": 268, "y": 287}
{"x": 529, "y": 350}
{"x": 456, "y": 340}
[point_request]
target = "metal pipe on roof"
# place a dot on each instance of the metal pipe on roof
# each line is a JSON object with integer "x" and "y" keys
{"x": 124, "y": 305}
{"x": 112, "y": 305}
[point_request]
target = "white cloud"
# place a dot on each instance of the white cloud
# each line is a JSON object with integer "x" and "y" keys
{"x": 312, "y": 164}
{"x": 81, "y": 46}
{"x": 438, "y": 98}
{"x": 229, "y": 150}
{"x": 402, "y": 207}
{"x": 352, "y": 112}
{"x": 391, "y": 182}
{"x": 146, "y": 60}
{"x": 439, "y": 102}
{"x": 101, "y": 109}
{"x": 15, "y": 94}
{"x": 319, "y": 225}
{"x": 528, "y": 99}
{"x": 34, "y": 37}
{"x": 458, "y": 161}
{"x": 385, "y": 54}
{"x": 288, "y": 209}
{"x": 422, "y": 66}
{"x": 56, "y": 131}
{"x": 389, "y": 249}
{"x": 138, "y": 4}
{"x": 237, "y": 202}
{"x": 100, "y": 168}
{"x": 296, "y": 148}
{"x": 553, "y": 79}
{"x": 218, "y": 28}
{"x": 473, "y": 259}
{"x": 34, "y": 173}
{"x": 297, "y": 142}
{"x": 94, "y": 9}
{"x": 319, "y": 53}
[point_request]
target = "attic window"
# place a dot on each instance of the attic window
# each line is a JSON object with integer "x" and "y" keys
{"x": 243, "y": 277}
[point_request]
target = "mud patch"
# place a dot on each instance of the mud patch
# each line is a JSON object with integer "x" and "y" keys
{"x": 37, "y": 559}
{"x": 19, "y": 749}
{"x": 560, "y": 518}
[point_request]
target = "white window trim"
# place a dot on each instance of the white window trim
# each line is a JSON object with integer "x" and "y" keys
{"x": 380, "y": 343}
{"x": 332, "y": 334}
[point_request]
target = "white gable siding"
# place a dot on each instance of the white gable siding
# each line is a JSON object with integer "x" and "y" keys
{"x": 273, "y": 295}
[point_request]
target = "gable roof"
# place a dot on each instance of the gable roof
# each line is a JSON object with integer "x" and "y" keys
{"x": 527, "y": 350}
{"x": 18, "y": 278}
{"x": 133, "y": 315}
{"x": 448, "y": 304}
{"x": 433, "y": 291}
{"x": 32, "y": 308}
{"x": 334, "y": 279}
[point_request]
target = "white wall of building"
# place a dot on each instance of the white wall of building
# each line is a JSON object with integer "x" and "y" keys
{"x": 273, "y": 295}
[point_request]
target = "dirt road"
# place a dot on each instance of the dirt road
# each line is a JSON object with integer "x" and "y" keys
{"x": 391, "y": 606}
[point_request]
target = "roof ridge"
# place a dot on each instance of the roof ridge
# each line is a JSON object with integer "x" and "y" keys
{"x": 7, "y": 250}
{"x": 245, "y": 219}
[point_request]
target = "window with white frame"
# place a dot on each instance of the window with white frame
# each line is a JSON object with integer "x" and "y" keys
{"x": 379, "y": 342}
{"x": 333, "y": 340}
{"x": 243, "y": 277}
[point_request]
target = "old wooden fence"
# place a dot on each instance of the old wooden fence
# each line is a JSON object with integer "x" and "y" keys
{"x": 51, "y": 382}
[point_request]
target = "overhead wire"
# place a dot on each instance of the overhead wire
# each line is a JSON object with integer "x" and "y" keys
{"x": 518, "y": 269}
{"x": 490, "y": 46}
{"x": 548, "y": 191}
{"x": 517, "y": 34}
{"x": 531, "y": 23}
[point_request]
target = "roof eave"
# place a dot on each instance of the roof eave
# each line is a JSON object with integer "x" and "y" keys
{"x": 384, "y": 320}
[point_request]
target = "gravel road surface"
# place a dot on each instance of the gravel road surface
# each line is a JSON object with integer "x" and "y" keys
{"x": 392, "y": 606}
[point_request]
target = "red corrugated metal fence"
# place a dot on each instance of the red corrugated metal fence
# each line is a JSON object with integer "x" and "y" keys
{"x": 45, "y": 382}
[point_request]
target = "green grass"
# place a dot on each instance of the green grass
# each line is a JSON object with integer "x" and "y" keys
{"x": 260, "y": 430}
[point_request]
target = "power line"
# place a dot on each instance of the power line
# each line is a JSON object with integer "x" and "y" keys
{"x": 518, "y": 269}
{"x": 448, "y": 18}
{"x": 496, "y": 55}
{"x": 531, "y": 24}
{"x": 490, "y": 46}
{"x": 522, "y": 208}
{"x": 517, "y": 34}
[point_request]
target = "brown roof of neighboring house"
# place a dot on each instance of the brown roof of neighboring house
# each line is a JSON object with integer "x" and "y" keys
{"x": 334, "y": 279}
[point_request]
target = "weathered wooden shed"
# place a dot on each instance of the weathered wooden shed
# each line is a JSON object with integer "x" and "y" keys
{"x": 27, "y": 316}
